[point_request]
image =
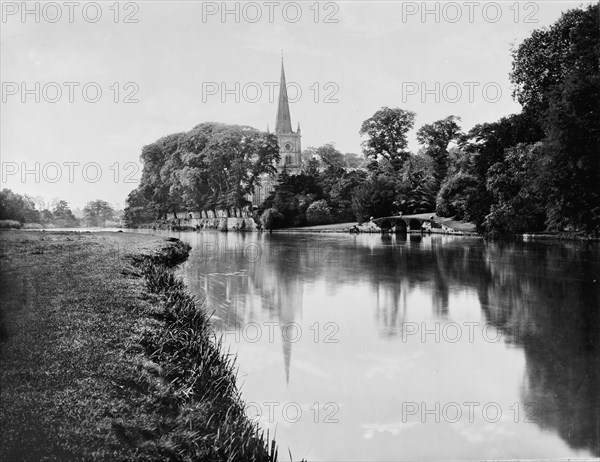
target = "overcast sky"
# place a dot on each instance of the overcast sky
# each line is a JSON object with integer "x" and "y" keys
{"x": 182, "y": 63}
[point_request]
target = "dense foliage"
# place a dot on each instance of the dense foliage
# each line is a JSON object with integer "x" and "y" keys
{"x": 97, "y": 213}
{"x": 16, "y": 207}
{"x": 21, "y": 209}
{"x": 213, "y": 166}
{"x": 531, "y": 171}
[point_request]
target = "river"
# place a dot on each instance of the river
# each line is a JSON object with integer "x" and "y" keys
{"x": 371, "y": 347}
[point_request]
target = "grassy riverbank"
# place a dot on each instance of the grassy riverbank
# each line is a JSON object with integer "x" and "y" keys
{"x": 105, "y": 356}
{"x": 457, "y": 226}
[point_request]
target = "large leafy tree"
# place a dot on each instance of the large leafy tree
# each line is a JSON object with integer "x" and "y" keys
{"x": 417, "y": 187}
{"x": 457, "y": 197}
{"x": 62, "y": 215}
{"x": 221, "y": 164}
{"x": 485, "y": 145}
{"x": 158, "y": 182}
{"x": 330, "y": 156}
{"x": 543, "y": 62}
{"x": 556, "y": 74}
{"x": 17, "y": 207}
{"x": 212, "y": 166}
{"x": 376, "y": 197}
{"x": 98, "y": 212}
{"x": 138, "y": 209}
{"x": 293, "y": 195}
{"x": 436, "y": 138}
{"x": 385, "y": 133}
{"x": 518, "y": 200}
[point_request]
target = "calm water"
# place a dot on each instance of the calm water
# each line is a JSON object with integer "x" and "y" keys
{"x": 385, "y": 348}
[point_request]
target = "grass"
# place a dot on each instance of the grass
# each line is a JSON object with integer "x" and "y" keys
{"x": 456, "y": 225}
{"x": 105, "y": 356}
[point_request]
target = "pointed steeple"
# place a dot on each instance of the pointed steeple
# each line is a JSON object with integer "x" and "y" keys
{"x": 283, "y": 124}
{"x": 287, "y": 353}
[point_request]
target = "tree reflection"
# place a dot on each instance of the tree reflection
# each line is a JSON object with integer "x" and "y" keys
{"x": 545, "y": 299}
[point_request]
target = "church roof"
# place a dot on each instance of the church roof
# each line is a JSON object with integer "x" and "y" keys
{"x": 283, "y": 124}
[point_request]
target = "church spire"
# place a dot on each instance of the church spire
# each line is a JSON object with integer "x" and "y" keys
{"x": 283, "y": 124}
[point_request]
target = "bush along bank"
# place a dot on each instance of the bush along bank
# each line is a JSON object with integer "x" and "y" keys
{"x": 197, "y": 379}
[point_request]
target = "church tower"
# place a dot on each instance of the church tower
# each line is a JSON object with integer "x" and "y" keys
{"x": 290, "y": 148}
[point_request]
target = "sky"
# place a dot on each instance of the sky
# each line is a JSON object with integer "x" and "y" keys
{"x": 86, "y": 85}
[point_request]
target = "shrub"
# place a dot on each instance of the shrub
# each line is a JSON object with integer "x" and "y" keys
{"x": 271, "y": 219}
{"x": 7, "y": 224}
{"x": 318, "y": 213}
{"x": 456, "y": 195}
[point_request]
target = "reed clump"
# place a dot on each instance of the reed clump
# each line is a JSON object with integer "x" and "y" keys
{"x": 194, "y": 377}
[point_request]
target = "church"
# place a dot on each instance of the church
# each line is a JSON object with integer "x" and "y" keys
{"x": 290, "y": 151}
{"x": 290, "y": 148}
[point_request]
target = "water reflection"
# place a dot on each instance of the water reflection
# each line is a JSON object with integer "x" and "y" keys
{"x": 542, "y": 300}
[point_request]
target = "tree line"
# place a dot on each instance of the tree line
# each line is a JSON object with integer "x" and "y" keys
{"x": 532, "y": 171}
{"x": 18, "y": 210}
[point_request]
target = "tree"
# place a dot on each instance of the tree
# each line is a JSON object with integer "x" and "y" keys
{"x": 292, "y": 196}
{"x": 375, "y": 198}
{"x": 308, "y": 154}
{"x": 456, "y": 195}
{"x": 338, "y": 189}
{"x": 354, "y": 160}
{"x": 17, "y": 207}
{"x": 138, "y": 210}
{"x": 416, "y": 188}
{"x": 318, "y": 213}
{"x": 557, "y": 80}
{"x": 518, "y": 201}
{"x": 97, "y": 212}
{"x": 330, "y": 156}
{"x": 572, "y": 170}
{"x": 157, "y": 181}
{"x": 62, "y": 215}
{"x": 543, "y": 62}
{"x": 211, "y": 166}
{"x": 271, "y": 218}
{"x": 386, "y": 134}
{"x": 436, "y": 137}
{"x": 46, "y": 217}
{"x": 485, "y": 145}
